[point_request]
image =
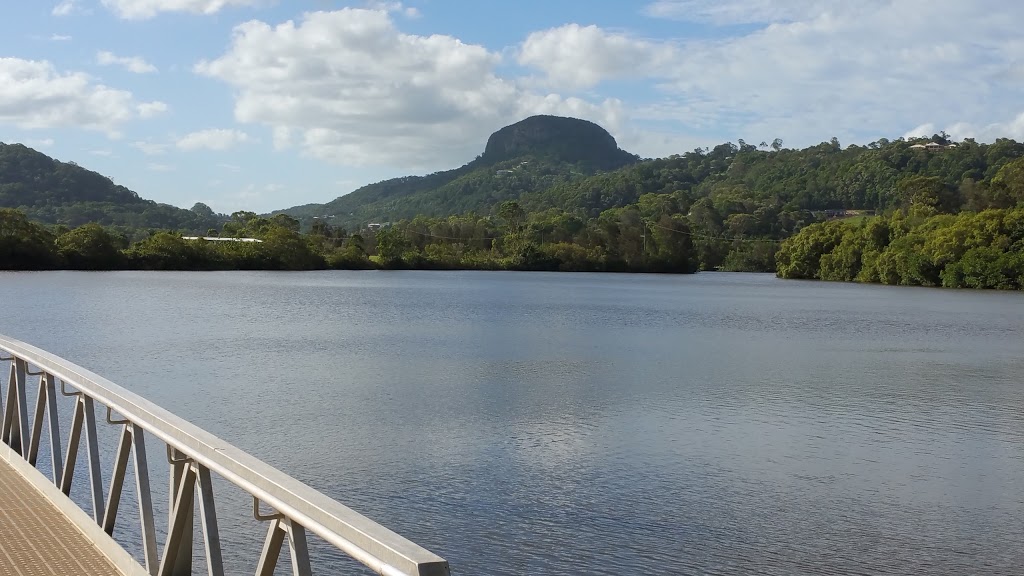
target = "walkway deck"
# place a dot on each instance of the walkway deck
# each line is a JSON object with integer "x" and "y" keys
{"x": 37, "y": 539}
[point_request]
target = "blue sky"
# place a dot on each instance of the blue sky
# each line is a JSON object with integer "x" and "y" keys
{"x": 264, "y": 104}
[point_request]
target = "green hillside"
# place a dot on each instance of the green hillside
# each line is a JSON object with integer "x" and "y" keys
{"x": 723, "y": 208}
{"x": 739, "y": 179}
{"x": 535, "y": 154}
{"x": 55, "y": 192}
{"x": 547, "y": 162}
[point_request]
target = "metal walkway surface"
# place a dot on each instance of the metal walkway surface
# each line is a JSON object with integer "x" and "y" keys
{"x": 37, "y": 539}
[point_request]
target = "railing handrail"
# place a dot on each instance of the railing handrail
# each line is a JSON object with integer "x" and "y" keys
{"x": 380, "y": 549}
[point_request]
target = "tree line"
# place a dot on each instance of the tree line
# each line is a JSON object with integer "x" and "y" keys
{"x": 649, "y": 237}
{"x": 930, "y": 240}
{"x": 966, "y": 250}
{"x": 734, "y": 207}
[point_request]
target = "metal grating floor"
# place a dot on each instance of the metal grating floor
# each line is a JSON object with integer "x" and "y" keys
{"x": 36, "y": 539}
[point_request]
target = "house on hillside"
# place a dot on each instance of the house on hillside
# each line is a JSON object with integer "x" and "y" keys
{"x": 219, "y": 239}
{"x": 933, "y": 146}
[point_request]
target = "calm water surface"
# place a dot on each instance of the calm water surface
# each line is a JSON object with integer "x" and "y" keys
{"x": 538, "y": 423}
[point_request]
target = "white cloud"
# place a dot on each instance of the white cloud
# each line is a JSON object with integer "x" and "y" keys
{"x": 102, "y": 152}
{"x": 812, "y": 70}
{"x": 396, "y": 7}
{"x": 213, "y": 139}
{"x": 577, "y": 56}
{"x": 260, "y": 197}
{"x": 737, "y": 11}
{"x": 922, "y": 131}
{"x": 34, "y": 94}
{"x": 150, "y": 148}
{"x": 282, "y": 137}
{"x": 350, "y": 87}
{"x": 65, "y": 8}
{"x": 150, "y": 109}
{"x": 1013, "y": 128}
{"x": 131, "y": 63}
{"x": 44, "y": 143}
{"x": 144, "y": 9}
{"x": 155, "y": 167}
{"x": 60, "y": 38}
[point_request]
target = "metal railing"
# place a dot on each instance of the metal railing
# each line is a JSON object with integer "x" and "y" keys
{"x": 194, "y": 455}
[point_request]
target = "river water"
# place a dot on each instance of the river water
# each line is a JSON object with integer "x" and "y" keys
{"x": 550, "y": 424}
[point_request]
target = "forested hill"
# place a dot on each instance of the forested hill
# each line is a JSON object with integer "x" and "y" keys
{"x": 534, "y": 154}
{"x": 55, "y": 192}
{"x": 575, "y": 166}
{"x": 744, "y": 179}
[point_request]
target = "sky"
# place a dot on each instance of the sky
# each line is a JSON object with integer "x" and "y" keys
{"x": 266, "y": 104}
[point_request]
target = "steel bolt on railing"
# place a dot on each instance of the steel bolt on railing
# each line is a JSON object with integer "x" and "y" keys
{"x": 194, "y": 455}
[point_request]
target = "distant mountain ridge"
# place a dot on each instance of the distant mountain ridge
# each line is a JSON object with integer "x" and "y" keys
{"x": 532, "y": 154}
{"x": 55, "y": 192}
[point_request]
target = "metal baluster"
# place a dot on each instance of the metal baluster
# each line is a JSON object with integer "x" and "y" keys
{"x": 271, "y": 549}
{"x": 55, "y": 454}
{"x": 74, "y": 437}
{"x": 181, "y": 564}
{"x": 9, "y": 414}
{"x": 180, "y": 524}
{"x": 16, "y": 424}
{"x": 3, "y": 414}
{"x": 93, "y": 448}
{"x": 145, "y": 500}
{"x": 37, "y": 421}
{"x": 300, "y": 553}
{"x": 21, "y": 367}
{"x": 208, "y": 514}
{"x": 280, "y": 527}
{"x": 124, "y": 447}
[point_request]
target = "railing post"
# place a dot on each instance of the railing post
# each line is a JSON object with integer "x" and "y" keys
{"x": 300, "y": 553}
{"x": 145, "y": 500}
{"x": 208, "y": 514}
{"x": 124, "y": 446}
{"x": 180, "y": 564}
{"x": 37, "y": 421}
{"x": 93, "y": 451}
{"x": 51, "y": 411}
{"x": 15, "y": 427}
{"x": 74, "y": 438}
{"x": 271, "y": 549}
{"x": 3, "y": 413}
{"x": 9, "y": 414}
{"x": 21, "y": 367}
{"x": 177, "y": 555}
{"x": 280, "y": 527}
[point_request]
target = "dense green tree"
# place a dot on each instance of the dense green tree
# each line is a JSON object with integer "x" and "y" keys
{"x": 91, "y": 247}
{"x": 290, "y": 250}
{"x": 165, "y": 251}
{"x": 966, "y": 250}
{"x": 800, "y": 256}
{"x": 24, "y": 245}
{"x": 391, "y": 245}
